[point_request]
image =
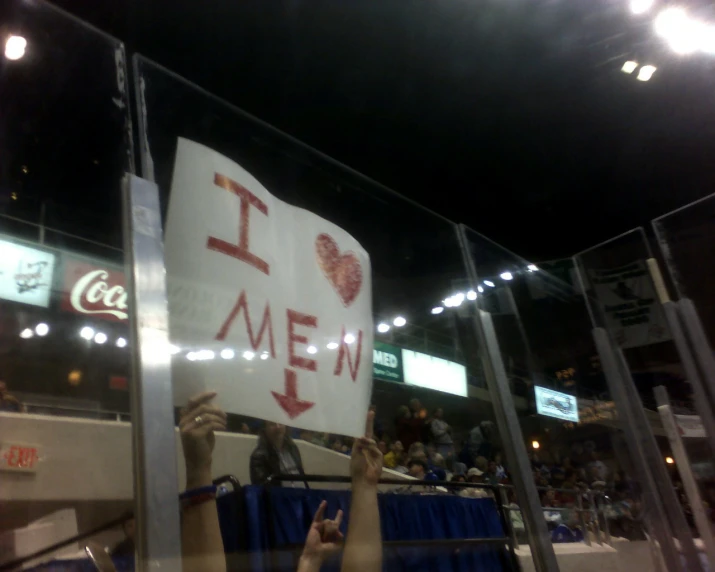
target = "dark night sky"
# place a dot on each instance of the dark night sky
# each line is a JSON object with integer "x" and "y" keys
{"x": 511, "y": 116}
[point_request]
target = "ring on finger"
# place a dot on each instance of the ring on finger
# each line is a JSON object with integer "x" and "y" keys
{"x": 198, "y": 420}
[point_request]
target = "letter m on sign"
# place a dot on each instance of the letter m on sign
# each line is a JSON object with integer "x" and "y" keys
{"x": 266, "y": 324}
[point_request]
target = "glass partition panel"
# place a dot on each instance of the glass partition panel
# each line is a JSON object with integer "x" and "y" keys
{"x": 687, "y": 240}
{"x": 303, "y": 292}
{"x": 589, "y": 489}
{"x": 65, "y": 446}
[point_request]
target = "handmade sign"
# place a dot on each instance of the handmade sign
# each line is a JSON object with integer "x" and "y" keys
{"x": 269, "y": 304}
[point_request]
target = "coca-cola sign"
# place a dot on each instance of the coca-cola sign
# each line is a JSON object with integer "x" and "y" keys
{"x": 94, "y": 289}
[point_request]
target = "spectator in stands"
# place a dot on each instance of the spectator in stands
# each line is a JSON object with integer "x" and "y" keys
{"x": 480, "y": 440}
{"x": 126, "y": 549}
{"x": 438, "y": 467}
{"x": 441, "y": 434}
{"x": 408, "y": 426}
{"x": 482, "y": 464}
{"x": 474, "y": 475}
{"x": 491, "y": 474}
{"x": 417, "y": 451}
{"x": 390, "y": 459}
{"x": 597, "y": 468}
{"x": 401, "y": 463}
{"x": 500, "y": 470}
{"x": 418, "y": 469}
{"x": 9, "y": 402}
{"x": 202, "y": 546}
{"x": 275, "y": 453}
{"x": 382, "y": 447}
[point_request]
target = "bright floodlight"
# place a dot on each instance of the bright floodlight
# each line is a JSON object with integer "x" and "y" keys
{"x": 480, "y": 289}
{"x": 42, "y": 329}
{"x": 641, "y": 6}
{"x": 191, "y": 356}
{"x": 399, "y": 321}
{"x": 471, "y": 295}
{"x": 121, "y": 343}
{"x": 506, "y": 276}
{"x": 265, "y": 355}
{"x": 629, "y": 67}
{"x": 173, "y": 350}
{"x": 383, "y": 328}
{"x": 349, "y": 338}
{"x": 87, "y": 333}
{"x": 332, "y": 346}
{"x": 437, "y": 310}
{"x": 15, "y": 47}
{"x": 534, "y": 267}
{"x": 248, "y": 355}
{"x": 100, "y": 338}
{"x": 312, "y": 350}
{"x": 227, "y": 353}
{"x": 26, "y": 334}
{"x": 458, "y": 299}
{"x": 448, "y": 302}
{"x": 489, "y": 283}
{"x": 681, "y": 32}
{"x": 646, "y": 72}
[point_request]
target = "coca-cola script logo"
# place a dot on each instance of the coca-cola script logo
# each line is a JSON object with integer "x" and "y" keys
{"x": 95, "y": 290}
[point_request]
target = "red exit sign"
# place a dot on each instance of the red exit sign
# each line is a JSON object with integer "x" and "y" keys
{"x": 14, "y": 457}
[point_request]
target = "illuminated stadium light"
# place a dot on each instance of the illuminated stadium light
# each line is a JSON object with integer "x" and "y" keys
{"x": 646, "y": 72}
{"x": 506, "y": 276}
{"x": 383, "y": 328}
{"x": 534, "y": 267}
{"x": 100, "y": 338}
{"x": 629, "y": 67}
{"x": 471, "y": 295}
{"x": 349, "y": 338}
{"x": 437, "y": 310}
{"x": 535, "y": 445}
{"x": 42, "y": 329}
{"x": 480, "y": 289}
{"x": 399, "y": 322}
{"x": 670, "y": 460}
{"x": 121, "y": 343}
{"x": 15, "y": 47}
{"x": 332, "y": 346}
{"x": 641, "y": 6}
{"x": 684, "y": 34}
{"x": 173, "y": 350}
{"x": 227, "y": 353}
{"x": 87, "y": 333}
{"x": 489, "y": 283}
{"x": 26, "y": 334}
{"x": 249, "y": 355}
{"x": 265, "y": 355}
{"x": 312, "y": 350}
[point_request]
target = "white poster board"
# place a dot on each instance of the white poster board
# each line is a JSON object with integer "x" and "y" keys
{"x": 628, "y": 299}
{"x": 269, "y": 304}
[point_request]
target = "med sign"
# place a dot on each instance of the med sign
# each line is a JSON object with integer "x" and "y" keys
{"x": 556, "y": 404}
{"x": 270, "y": 304}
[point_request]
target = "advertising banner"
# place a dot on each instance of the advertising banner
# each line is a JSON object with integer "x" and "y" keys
{"x": 25, "y": 274}
{"x": 556, "y": 404}
{"x": 690, "y": 426}
{"x": 387, "y": 362}
{"x": 434, "y": 373}
{"x": 269, "y": 304}
{"x": 629, "y": 302}
{"x": 94, "y": 289}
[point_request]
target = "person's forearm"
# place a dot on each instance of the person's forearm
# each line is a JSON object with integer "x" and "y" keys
{"x": 363, "y": 547}
{"x": 308, "y": 564}
{"x": 202, "y": 546}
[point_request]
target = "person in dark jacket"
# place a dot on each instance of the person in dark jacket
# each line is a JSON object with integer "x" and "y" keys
{"x": 276, "y": 453}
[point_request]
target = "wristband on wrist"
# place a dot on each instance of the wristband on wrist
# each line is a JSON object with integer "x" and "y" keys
{"x": 192, "y": 497}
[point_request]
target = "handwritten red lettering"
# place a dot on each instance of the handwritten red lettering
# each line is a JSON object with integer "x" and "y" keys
{"x": 293, "y": 338}
{"x": 345, "y": 351}
{"x": 266, "y": 324}
{"x": 240, "y": 250}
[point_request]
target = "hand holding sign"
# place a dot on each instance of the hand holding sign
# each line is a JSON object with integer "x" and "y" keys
{"x": 366, "y": 460}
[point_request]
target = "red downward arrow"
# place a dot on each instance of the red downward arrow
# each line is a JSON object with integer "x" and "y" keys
{"x": 290, "y": 402}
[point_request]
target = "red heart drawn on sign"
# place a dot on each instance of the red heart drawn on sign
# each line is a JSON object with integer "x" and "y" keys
{"x": 343, "y": 271}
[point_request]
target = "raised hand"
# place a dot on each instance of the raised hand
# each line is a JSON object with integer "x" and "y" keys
{"x": 366, "y": 461}
{"x": 199, "y": 420}
{"x": 324, "y": 536}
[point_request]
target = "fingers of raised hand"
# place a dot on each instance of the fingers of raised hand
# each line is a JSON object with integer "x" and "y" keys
{"x": 370, "y": 425}
{"x": 318, "y": 517}
{"x": 197, "y": 400}
{"x": 202, "y": 415}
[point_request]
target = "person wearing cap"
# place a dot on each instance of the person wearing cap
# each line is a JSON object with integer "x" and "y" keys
{"x": 474, "y": 475}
